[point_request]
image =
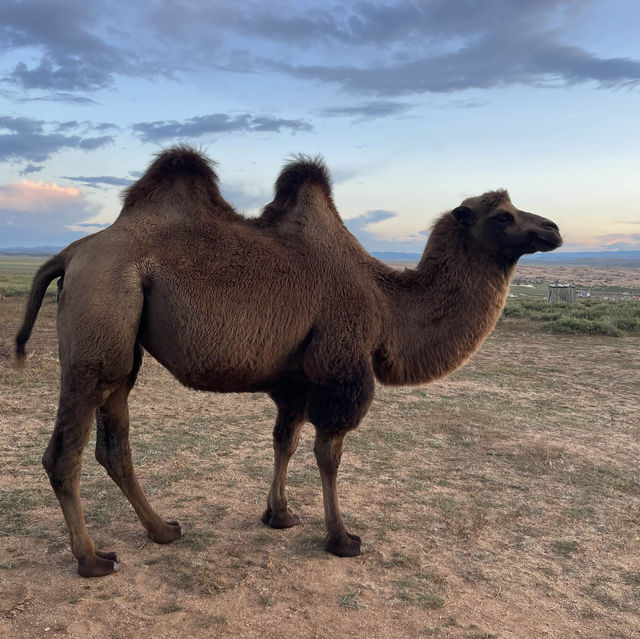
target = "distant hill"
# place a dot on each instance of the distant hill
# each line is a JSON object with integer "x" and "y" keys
{"x": 587, "y": 258}
{"x": 630, "y": 259}
{"x": 31, "y": 250}
{"x": 394, "y": 256}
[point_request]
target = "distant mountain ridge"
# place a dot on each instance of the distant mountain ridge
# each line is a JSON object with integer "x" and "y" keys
{"x": 587, "y": 258}
{"x": 31, "y": 250}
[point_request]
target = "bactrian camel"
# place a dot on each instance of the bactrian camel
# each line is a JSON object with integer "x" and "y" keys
{"x": 288, "y": 303}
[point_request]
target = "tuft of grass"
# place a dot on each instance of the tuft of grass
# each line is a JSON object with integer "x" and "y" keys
{"x": 564, "y": 548}
{"x": 267, "y": 600}
{"x": 170, "y": 608}
{"x": 212, "y": 620}
{"x": 350, "y": 600}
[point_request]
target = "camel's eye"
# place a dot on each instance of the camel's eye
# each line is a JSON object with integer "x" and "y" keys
{"x": 505, "y": 218}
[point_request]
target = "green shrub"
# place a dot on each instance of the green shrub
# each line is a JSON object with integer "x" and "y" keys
{"x": 590, "y": 316}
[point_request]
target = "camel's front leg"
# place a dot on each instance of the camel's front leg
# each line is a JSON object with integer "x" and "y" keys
{"x": 286, "y": 434}
{"x": 335, "y": 407}
{"x": 328, "y": 450}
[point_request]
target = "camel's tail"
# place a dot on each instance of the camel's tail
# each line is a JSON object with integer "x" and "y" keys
{"x": 46, "y": 274}
{"x": 300, "y": 170}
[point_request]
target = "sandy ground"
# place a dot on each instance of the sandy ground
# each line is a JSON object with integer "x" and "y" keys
{"x": 501, "y": 502}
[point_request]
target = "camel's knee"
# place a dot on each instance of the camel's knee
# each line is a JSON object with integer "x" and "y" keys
{"x": 339, "y": 403}
{"x": 60, "y": 467}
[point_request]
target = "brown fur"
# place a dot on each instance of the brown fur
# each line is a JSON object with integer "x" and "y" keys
{"x": 289, "y": 304}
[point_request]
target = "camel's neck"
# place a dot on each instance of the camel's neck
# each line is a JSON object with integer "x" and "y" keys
{"x": 441, "y": 312}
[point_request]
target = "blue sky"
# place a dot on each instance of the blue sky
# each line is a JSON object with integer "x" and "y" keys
{"x": 414, "y": 106}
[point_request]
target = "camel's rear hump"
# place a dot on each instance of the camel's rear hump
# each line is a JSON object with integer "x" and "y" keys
{"x": 303, "y": 203}
{"x": 299, "y": 171}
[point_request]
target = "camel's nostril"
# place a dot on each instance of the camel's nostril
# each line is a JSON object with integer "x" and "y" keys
{"x": 548, "y": 224}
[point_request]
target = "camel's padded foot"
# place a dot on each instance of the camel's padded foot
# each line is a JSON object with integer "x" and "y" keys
{"x": 348, "y": 546}
{"x": 170, "y": 531}
{"x": 286, "y": 519}
{"x": 101, "y": 564}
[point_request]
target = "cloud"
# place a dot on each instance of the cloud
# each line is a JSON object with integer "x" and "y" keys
{"x": 198, "y": 126}
{"x": 35, "y": 140}
{"x": 479, "y": 65}
{"x": 376, "y": 239}
{"x": 60, "y": 97}
{"x": 72, "y": 48}
{"x": 619, "y": 241}
{"x": 31, "y": 168}
{"x": 367, "y": 110}
{"x": 438, "y": 46}
{"x": 36, "y": 213}
{"x": 72, "y": 57}
{"x": 244, "y": 198}
{"x": 37, "y": 197}
{"x": 97, "y": 180}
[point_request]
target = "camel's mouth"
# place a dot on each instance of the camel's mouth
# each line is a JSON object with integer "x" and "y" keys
{"x": 546, "y": 241}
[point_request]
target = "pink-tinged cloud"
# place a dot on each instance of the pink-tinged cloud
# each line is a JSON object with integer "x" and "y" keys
{"x": 40, "y": 213}
{"x": 620, "y": 241}
{"x": 38, "y": 197}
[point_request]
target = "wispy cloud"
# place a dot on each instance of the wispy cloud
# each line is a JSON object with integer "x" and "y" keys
{"x": 619, "y": 241}
{"x": 59, "y": 97}
{"x": 98, "y": 180}
{"x": 243, "y": 197}
{"x": 373, "y": 238}
{"x": 367, "y": 110}
{"x": 198, "y": 126}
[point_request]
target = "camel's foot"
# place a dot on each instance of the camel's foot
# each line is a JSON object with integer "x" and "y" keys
{"x": 101, "y": 564}
{"x": 348, "y": 546}
{"x": 281, "y": 519}
{"x": 170, "y": 531}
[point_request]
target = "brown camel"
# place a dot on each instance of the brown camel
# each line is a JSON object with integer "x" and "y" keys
{"x": 289, "y": 304}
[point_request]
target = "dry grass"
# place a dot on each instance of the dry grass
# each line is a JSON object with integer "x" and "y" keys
{"x": 502, "y": 502}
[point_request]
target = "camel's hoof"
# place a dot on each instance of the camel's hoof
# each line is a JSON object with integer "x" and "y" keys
{"x": 348, "y": 546}
{"x": 103, "y": 563}
{"x": 169, "y": 532}
{"x": 286, "y": 519}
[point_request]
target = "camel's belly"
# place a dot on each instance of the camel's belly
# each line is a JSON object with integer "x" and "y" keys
{"x": 233, "y": 345}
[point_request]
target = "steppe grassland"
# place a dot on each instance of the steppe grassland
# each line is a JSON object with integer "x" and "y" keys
{"x": 503, "y": 501}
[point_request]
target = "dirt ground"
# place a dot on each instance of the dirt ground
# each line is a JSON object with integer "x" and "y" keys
{"x": 581, "y": 275}
{"x": 501, "y": 502}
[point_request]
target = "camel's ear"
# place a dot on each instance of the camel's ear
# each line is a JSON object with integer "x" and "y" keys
{"x": 463, "y": 214}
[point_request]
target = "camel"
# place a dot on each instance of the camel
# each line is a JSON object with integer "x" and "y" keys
{"x": 289, "y": 304}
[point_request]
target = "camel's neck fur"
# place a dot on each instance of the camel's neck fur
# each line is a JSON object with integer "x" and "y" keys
{"x": 441, "y": 312}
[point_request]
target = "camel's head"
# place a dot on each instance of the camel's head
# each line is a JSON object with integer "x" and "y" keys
{"x": 492, "y": 224}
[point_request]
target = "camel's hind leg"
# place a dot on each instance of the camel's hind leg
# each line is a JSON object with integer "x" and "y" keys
{"x": 62, "y": 461}
{"x": 291, "y": 404}
{"x": 114, "y": 453}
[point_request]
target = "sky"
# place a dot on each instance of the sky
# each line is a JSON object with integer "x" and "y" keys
{"x": 413, "y": 105}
